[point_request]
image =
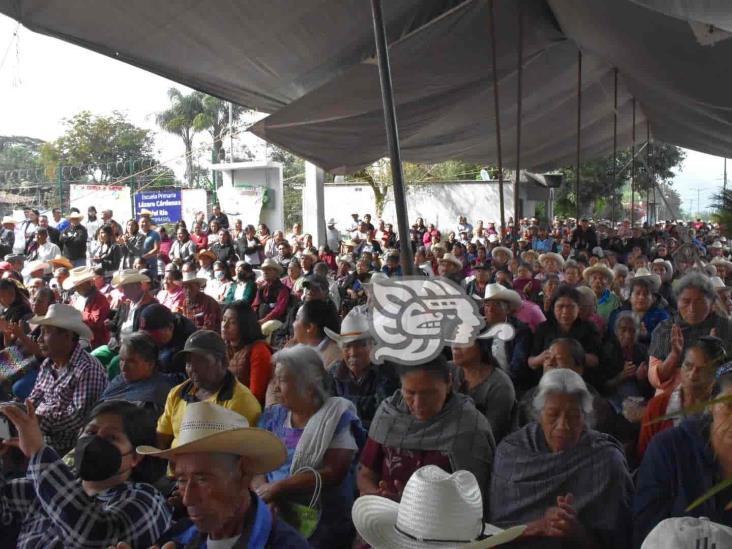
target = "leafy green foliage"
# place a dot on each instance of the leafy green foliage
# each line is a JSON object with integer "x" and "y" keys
{"x": 723, "y": 211}
{"x": 180, "y": 119}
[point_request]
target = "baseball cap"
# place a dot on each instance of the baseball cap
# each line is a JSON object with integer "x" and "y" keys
{"x": 683, "y": 532}
{"x": 315, "y": 281}
{"x": 204, "y": 342}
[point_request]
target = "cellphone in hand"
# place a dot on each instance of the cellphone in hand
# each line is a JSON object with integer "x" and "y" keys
{"x": 5, "y": 433}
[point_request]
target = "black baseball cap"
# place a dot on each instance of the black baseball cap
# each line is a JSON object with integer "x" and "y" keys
{"x": 156, "y": 317}
{"x": 316, "y": 281}
{"x": 204, "y": 342}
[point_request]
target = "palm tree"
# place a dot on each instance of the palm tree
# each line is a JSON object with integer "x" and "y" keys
{"x": 179, "y": 119}
{"x": 214, "y": 118}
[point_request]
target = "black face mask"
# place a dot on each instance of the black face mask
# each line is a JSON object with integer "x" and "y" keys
{"x": 241, "y": 275}
{"x": 96, "y": 458}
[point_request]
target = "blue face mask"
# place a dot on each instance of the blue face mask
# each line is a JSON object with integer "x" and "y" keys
{"x": 219, "y": 275}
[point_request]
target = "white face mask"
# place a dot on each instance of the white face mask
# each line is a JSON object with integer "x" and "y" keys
{"x": 219, "y": 275}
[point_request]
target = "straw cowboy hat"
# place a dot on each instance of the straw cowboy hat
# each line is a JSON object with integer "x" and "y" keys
{"x": 355, "y": 327}
{"x": 721, "y": 261}
{"x": 66, "y": 317}
{"x": 74, "y": 215}
{"x": 60, "y": 261}
{"x": 207, "y": 253}
{"x": 552, "y": 255}
{"x": 8, "y": 219}
{"x": 77, "y": 276}
{"x": 450, "y": 258}
{"x": 331, "y": 221}
{"x": 499, "y": 249}
{"x": 190, "y": 277}
{"x": 718, "y": 284}
{"x": 209, "y": 428}
{"x": 668, "y": 267}
{"x": 497, "y": 292}
{"x": 128, "y": 276}
{"x": 34, "y": 266}
{"x": 645, "y": 274}
{"x": 598, "y": 268}
{"x": 270, "y": 263}
{"x": 437, "y": 510}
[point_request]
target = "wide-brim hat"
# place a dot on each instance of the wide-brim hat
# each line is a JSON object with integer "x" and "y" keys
{"x": 598, "y": 268}
{"x": 331, "y": 221}
{"x": 128, "y": 276}
{"x": 645, "y": 274}
{"x": 207, "y": 253}
{"x": 497, "y": 292}
{"x": 495, "y": 251}
{"x": 75, "y": 215}
{"x": 718, "y": 284}
{"x": 270, "y": 263}
{"x": 355, "y": 327}
{"x": 209, "y": 428}
{"x": 722, "y": 261}
{"x": 435, "y": 505}
{"x": 77, "y": 276}
{"x": 34, "y": 266}
{"x": 8, "y": 219}
{"x": 450, "y": 258}
{"x": 552, "y": 255}
{"x": 66, "y": 317}
{"x": 60, "y": 261}
{"x": 191, "y": 277}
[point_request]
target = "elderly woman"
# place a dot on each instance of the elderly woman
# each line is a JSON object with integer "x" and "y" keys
{"x": 643, "y": 304}
{"x": 172, "y": 294}
{"x": 683, "y": 463}
{"x": 664, "y": 269}
{"x": 139, "y": 379}
{"x": 697, "y": 376}
{"x": 632, "y": 381}
{"x": 588, "y": 308}
{"x": 322, "y": 435}
{"x": 424, "y": 423}
{"x": 567, "y": 482}
{"x": 695, "y": 297}
{"x": 619, "y": 285}
{"x": 108, "y": 500}
{"x": 250, "y": 358}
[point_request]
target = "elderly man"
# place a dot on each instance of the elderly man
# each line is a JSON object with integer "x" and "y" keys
{"x": 209, "y": 380}
{"x": 91, "y": 302}
{"x": 219, "y": 217}
{"x": 108, "y": 219}
{"x": 201, "y": 309}
{"x": 70, "y": 380}
{"x": 598, "y": 278}
{"x": 73, "y": 240}
{"x": 355, "y": 377}
{"x": 272, "y": 295}
{"x": 213, "y": 474}
{"x": 499, "y": 304}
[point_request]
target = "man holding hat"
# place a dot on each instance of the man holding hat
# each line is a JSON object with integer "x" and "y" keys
{"x": 93, "y": 305}
{"x": 70, "y": 380}
{"x": 73, "y": 240}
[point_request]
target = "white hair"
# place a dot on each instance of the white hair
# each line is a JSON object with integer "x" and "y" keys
{"x": 306, "y": 367}
{"x": 563, "y": 381}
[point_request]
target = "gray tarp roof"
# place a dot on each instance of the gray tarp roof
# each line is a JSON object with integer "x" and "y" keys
{"x": 310, "y": 62}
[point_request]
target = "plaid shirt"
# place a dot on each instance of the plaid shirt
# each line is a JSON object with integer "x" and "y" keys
{"x": 64, "y": 396}
{"x": 55, "y": 512}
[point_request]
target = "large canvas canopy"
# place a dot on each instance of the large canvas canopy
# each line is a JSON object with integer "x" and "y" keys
{"x": 310, "y": 63}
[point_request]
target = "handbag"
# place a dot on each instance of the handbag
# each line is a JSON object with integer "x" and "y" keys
{"x": 305, "y": 518}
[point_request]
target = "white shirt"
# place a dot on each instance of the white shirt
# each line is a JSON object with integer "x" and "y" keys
{"x": 333, "y": 237}
{"x": 47, "y": 251}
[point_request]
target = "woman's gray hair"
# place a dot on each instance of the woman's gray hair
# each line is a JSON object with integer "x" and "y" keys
{"x": 626, "y": 315}
{"x": 564, "y": 382}
{"x": 306, "y": 367}
{"x": 696, "y": 281}
{"x": 621, "y": 269}
{"x": 588, "y": 296}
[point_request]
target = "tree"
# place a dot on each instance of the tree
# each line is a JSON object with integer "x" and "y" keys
{"x": 293, "y": 174}
{"x": 214, "y": 118}
{"x": 180, "y": 119}
{"x": 100, "y": 147}
{"x": 19, "y": 158}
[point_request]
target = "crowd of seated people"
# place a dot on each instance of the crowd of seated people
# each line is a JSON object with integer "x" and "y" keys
{"x": 221, "y": 387}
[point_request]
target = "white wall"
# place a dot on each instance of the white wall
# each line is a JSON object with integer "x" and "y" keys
{"x": 260, "y": 175}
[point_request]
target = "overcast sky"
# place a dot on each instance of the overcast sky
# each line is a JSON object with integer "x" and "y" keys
{"x": 43, "y": 80}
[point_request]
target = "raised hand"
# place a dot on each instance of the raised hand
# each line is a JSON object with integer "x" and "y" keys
{"x": 30, "y": 437}
{"x": 677, "y": 340}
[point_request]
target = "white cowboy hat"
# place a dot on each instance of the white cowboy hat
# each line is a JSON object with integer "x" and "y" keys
{"x": 721, "y": 261}
{"x": 209, "y": 428}
{"x": 497, "y": 292}
{"x": 667, "y": 265}
{"x": 270, "y": 263}
{"x": 552, "y": 255}
{"x": 77, "y": 276}
{"x": 682, "y": 532}
{"x": 718, "y": 284}
{"x": 450, "y": 258}
{"x": 128, "y": 276}
{"x": 438, "y": 246}
{"x": 645, "y": 274}
{"x": 437, "y": 510}
{"x": 66, "y": 317}
{"x": 717, "y": 244}
{"x": 331, "y": 221}
{"x": 8, "y": 219}
{"x": 34, "y": 266}
{"x": 355, "y": 326}
{"x": 190, "y": 276}
{"x": 598, "y": 268}
{"x": 503, "y": 249}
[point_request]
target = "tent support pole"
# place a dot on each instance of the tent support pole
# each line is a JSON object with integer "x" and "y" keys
{"x": 519, "y": 93}
{"x": 650, "y": 171}
{"x": 615, "y": 144}
{"x": 579, "y": 134}
{"x": 492, "y": 29}
{"x": 632, "y": 173}
{"x": 392, "y": 136}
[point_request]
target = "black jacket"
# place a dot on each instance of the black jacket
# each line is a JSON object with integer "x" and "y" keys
{"x": 73, "y": 242}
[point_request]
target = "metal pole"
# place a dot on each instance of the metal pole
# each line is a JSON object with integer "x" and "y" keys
{"x": 579, "y": 130}
{"x": 615, "y": 145}
{"x": 649, "y": 169}
{"x": 492, "y": 28}
{"x": 632, "y": 173}
{"x": 724, "y": 188}
{"x": 231, "y": 132}
{"x": 392, "y": 137}
{"x": 519, "y": 93}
